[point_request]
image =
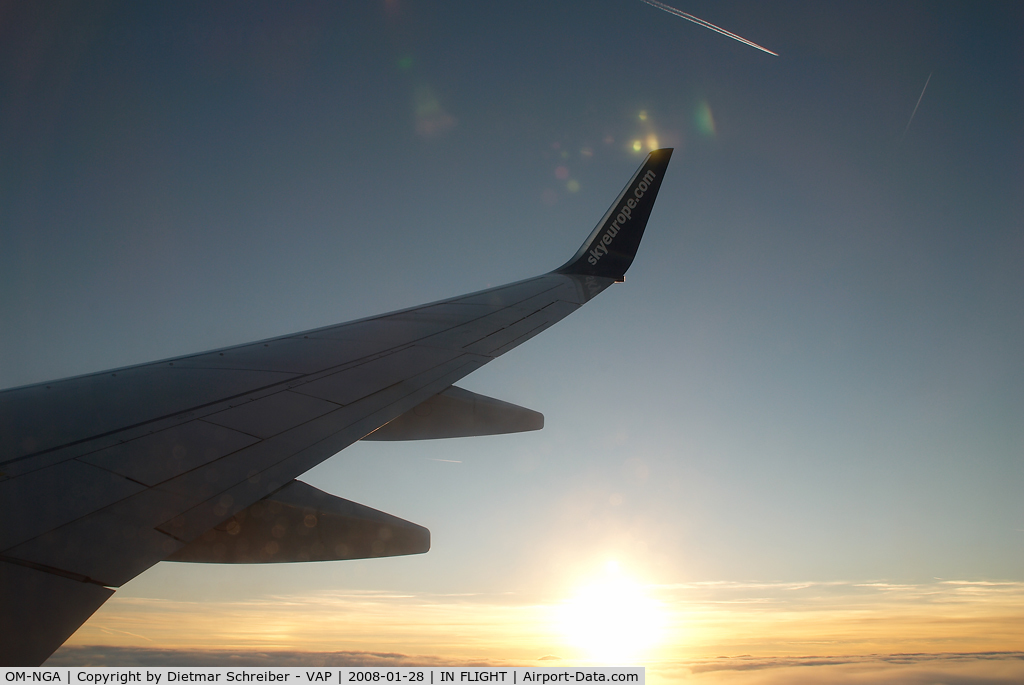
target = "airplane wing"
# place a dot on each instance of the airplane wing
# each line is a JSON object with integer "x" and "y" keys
{"x": 195, "y": 458}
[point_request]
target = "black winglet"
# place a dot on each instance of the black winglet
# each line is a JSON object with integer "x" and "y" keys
{"x": 610, "y": 249}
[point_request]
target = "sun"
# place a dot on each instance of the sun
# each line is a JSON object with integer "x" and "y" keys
{"x": 612, "y": 620}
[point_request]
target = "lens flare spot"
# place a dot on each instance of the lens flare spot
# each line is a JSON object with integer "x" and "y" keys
{"x": 652, "y": 142}
{"x": 561, "y": 173}
{"x": 638, "y": 145}
{"x": 405, "y": 63}
{"x": 643, "y": 115}
{"x": 704, "y": 120}
{"x": 572, "y": 186}
{"x": 586, "y": 152}
{"x": 431, "y": 119}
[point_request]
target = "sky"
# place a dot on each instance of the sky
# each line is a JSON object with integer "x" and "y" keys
{"x": 794, "y": 431}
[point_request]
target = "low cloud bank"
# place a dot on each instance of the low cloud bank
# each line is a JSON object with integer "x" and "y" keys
{"x": 102, "y": 655}
{"x": 749, "y": 663}
{"x": 947, "y": 668}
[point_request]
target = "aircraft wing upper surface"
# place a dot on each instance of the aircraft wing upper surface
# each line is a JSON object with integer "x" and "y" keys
{"x": 104, "y": 475}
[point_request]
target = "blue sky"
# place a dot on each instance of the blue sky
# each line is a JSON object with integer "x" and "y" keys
{"x": 812, "y": 373}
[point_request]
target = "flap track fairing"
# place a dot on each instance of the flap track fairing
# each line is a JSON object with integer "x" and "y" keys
{"x": 301, "y": 523}
{"x": 458, "y": 413}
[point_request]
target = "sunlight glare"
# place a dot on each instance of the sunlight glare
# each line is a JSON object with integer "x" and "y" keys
{"x": 612, "y": 620}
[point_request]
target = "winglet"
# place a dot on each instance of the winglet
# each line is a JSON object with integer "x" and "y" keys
{"x": 610, "y": 249}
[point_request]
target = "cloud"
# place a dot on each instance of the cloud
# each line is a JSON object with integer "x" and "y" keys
{"x": 951, "y": 668}
{"x": 986, "y": 668}
{"x": 103, "y": 655}
{"x": 751, "y": 663}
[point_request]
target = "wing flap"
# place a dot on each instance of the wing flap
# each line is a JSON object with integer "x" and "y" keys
{"x": 93, "y": 546}
{"x": 41, "y": 611}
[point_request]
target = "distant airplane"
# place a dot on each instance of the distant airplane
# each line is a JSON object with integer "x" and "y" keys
{"x": 195, "y": 458}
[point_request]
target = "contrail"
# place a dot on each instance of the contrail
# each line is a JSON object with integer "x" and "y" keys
{"x": 915, "y": 106}
{"x": 706, "y": 24}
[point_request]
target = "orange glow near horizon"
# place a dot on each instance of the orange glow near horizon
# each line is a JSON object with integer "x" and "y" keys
{"x": 676, "y": 631}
